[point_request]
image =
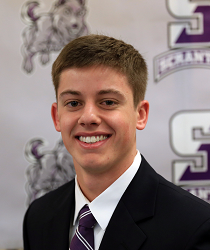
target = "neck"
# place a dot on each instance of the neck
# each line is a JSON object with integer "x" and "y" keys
{"x": 93, "y": 184}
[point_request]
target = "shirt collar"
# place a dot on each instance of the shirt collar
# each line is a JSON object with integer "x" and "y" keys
{"x": 103, "y": 206}
{"x": 80, "y": 200}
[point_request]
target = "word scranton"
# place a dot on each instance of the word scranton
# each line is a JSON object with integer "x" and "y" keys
{"x": 171, "y": 61}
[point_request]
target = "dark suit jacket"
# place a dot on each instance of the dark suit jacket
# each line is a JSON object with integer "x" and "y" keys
{"x": 153, "y": 214}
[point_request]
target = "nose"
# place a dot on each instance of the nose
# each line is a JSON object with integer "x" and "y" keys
{"x": 90, "y": 116}
{"x": 73, "y": 20}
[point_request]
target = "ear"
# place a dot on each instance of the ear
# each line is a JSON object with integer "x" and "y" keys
{"x": 54, "y": 114}
{"x": 82, "y": 2}
{"x": 60, "y": 2}
{"x": 142, "y": 114}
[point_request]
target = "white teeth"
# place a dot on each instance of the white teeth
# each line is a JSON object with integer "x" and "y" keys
{"x": 101, "y": 138}
{"x": 92, "y": 139}
{"x": 87, "y": 139}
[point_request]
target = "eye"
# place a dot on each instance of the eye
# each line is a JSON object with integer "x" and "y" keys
{"x": 73, "y": 104}
{"x": 109, "y": 102}
{"x": 67, "y": 12}
{"x": 80, "y": 13}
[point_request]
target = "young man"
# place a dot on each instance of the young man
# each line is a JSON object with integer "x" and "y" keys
{"x": 100, "y": 84}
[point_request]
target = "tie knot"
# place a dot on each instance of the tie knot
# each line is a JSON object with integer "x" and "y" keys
{"x": 86, "y": 219}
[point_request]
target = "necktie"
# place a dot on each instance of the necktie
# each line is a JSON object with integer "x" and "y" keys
{"x": 84, "y": 236}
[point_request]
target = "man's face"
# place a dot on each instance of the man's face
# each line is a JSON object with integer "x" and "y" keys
{"x": 97, "y": 119}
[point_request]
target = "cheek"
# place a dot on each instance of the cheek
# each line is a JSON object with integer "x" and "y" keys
{"x": 66, "y": 124}
{"x": 126, "y": 130}
{"x": 130, "y": 133}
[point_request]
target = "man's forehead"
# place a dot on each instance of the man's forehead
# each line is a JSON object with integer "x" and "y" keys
{"x": 100, "y": 67}
{"x": 96, "y": 71}
{"x": 73, "y": 81}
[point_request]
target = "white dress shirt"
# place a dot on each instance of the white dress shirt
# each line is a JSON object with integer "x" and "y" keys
{"x": 103, "y": 206}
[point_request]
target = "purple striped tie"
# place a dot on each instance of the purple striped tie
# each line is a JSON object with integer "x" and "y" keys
{"x": 84, "y": 235}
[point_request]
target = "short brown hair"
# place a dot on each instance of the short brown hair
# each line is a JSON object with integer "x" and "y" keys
{"x": 95, "y": 50}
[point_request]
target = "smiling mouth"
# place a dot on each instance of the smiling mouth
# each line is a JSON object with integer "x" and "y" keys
{"x": 92, "y": 139}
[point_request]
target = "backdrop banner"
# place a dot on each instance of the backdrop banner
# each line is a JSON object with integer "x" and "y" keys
{"x": 174, "y": 38}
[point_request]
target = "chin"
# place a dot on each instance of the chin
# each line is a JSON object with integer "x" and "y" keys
{"x": 94, "y": 167}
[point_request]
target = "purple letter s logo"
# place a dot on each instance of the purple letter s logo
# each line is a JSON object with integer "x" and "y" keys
{"x": 193, "y": 28}
{"x": 190, "y": 139}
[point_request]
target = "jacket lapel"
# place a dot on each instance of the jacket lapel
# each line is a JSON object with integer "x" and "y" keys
{"x": 56, "y": 228}
{"x": 122, "y": 232}
{"x": 137, "y": 204}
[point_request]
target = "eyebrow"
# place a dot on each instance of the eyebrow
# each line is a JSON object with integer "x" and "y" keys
{"x": 69, "y": 92}
{"x": 101, "y": 92}
{"x": 110, "y": 91}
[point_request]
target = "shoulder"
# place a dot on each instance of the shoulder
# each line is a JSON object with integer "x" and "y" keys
{"x": 182, "y": 219}
{"x": 169, "y": 192}
{"x": 189, "y": 215}
{"x": 186, "y": 213}
{"x": 50, "y": 213}
{"x": 172, "y": 204}
{"x": 49, "y": 202}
